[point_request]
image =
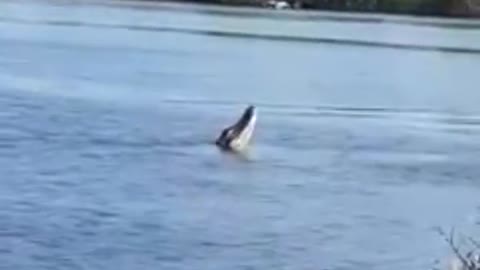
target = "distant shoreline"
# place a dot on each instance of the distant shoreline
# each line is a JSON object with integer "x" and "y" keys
{"x": 433, "y": 8}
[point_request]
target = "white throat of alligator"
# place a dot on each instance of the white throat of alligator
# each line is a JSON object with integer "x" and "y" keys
{"x": 241, "y": 141}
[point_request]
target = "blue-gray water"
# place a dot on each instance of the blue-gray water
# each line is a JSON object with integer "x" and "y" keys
{"x": 368, "y": 138}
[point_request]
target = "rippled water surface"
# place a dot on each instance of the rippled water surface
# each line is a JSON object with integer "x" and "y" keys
{"x": 368, "y": 138}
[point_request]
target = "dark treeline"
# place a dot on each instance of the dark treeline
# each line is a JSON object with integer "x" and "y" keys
{"x": 463, "y": 8}
{"x": 419, "y": 7}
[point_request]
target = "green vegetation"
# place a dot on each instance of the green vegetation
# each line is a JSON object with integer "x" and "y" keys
{"x": 418, "y": 7}
{"x": 415, "y": 7}
{"x": 385, "y": 5}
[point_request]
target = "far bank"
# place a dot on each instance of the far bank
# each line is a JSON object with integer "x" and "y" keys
{"x": 442, "y": 8}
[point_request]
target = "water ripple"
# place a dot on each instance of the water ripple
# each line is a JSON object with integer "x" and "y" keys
{"x": 246, "y": 35}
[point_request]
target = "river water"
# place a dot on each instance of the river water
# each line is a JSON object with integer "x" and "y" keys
{"x": 367, "y": 139}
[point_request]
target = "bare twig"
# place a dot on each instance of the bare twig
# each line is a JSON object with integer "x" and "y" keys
{"x": 450, "y": 240}
{"x": 474, "y": 242}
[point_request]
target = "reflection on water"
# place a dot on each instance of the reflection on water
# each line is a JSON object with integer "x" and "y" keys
{"x": 106, "y": 132}
{"x": 226, "y": 32}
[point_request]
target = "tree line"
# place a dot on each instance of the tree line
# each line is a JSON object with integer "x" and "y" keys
{"x": 418, "y": 7}
{"x": 468, "y": 8}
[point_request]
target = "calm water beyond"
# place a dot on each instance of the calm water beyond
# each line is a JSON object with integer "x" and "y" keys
{"x": 368, "y": 138}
